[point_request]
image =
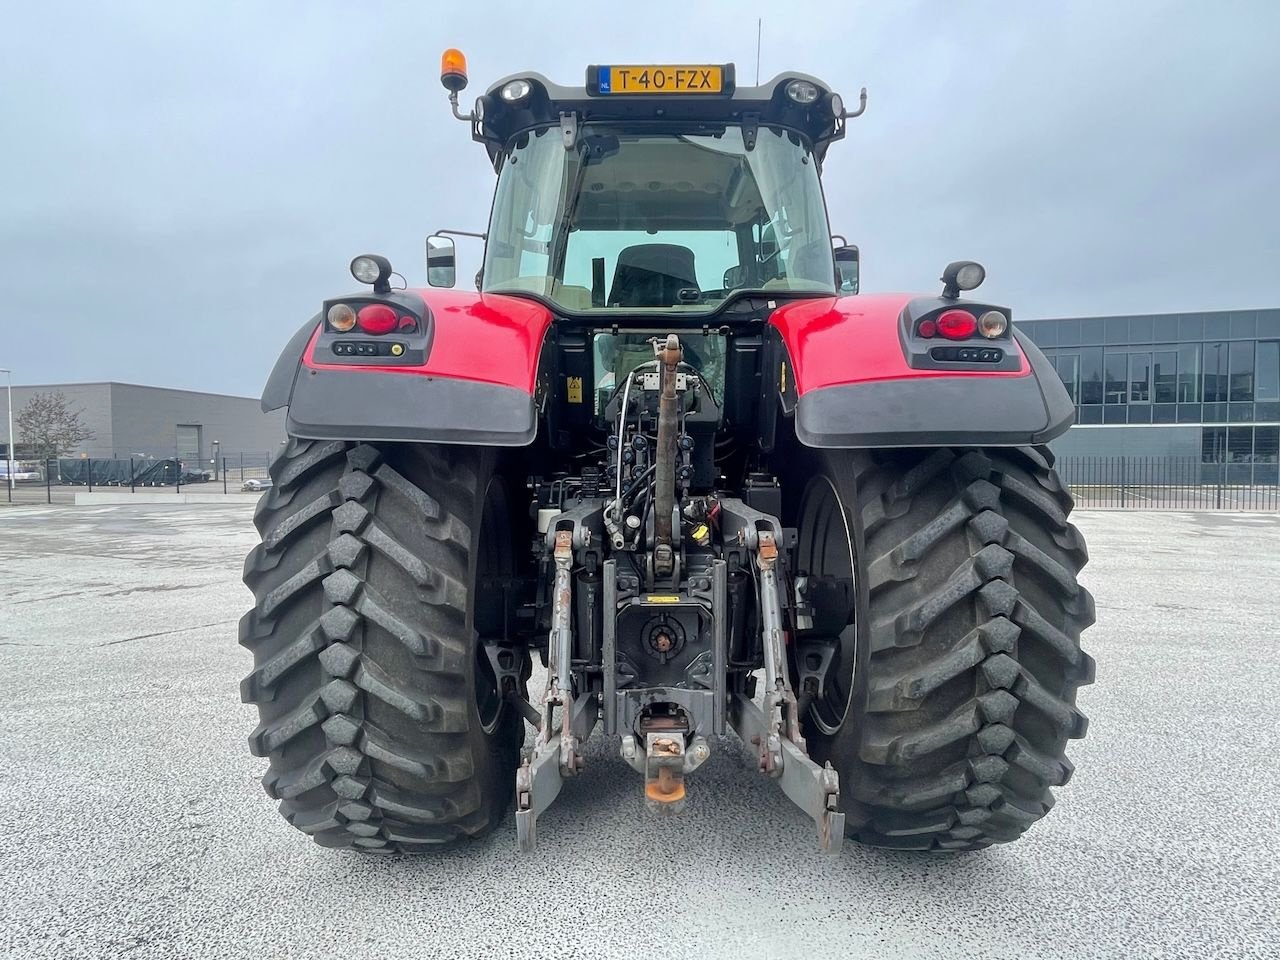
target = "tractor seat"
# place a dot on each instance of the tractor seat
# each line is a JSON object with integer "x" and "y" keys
{"x": 652, "y": 275}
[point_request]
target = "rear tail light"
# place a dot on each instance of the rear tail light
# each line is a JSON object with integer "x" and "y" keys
{"x": 377, "y": 319}
{"x": 952, "y": 324}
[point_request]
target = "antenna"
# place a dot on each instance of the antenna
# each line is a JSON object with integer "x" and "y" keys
{"x": 759, "y": 30}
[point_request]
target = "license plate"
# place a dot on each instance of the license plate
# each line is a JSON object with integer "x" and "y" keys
{"x": 660, "y": 79}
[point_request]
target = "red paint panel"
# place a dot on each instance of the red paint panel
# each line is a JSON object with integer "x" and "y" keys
{"x": 489, "y": 338}
{"x": 855, "y": 340}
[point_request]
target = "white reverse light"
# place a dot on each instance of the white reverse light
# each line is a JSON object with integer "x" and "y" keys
{"x": 970, "y": 276}
{"x": 365, "y": 269}
{"x": 515, "y": 91}
{"x": 802, "y": 91}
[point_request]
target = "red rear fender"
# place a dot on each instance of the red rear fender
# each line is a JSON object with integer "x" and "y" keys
{"x": 854, "y": 340}
{"x": 471, "y": 380}
{"x": 855, "y": 386}
{"x": 486, "y": 338}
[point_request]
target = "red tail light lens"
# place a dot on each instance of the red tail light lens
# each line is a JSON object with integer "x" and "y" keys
{"x": 377, "y": 318}
{"x": 952, "y": 324}
{"x": 927, "y": 329}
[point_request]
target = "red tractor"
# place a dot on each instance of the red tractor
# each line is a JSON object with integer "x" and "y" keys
{"x": 666, "y": 449}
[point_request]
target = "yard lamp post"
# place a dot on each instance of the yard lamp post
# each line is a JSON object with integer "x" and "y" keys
{"x": 217, "y": 446}
{"x": 9, "y": 449}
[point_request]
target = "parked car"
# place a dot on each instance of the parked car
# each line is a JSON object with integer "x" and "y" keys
{"x": 22, "y": 473}
{"x": 255, "y": 484}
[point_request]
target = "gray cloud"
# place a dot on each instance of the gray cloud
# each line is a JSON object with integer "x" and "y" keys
{"x": 183, "y": 183}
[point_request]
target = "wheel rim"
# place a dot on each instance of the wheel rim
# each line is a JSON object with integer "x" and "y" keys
{"x": 825, "y": 549}
{"x": 492, "y": 565}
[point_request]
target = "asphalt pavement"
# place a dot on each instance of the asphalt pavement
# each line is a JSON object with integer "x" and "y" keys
{"x": 132, "y": 823}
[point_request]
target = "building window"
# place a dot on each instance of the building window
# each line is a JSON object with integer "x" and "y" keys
{"x": 1068, "y": 367}
{"x": 1239, "y": 444}
{"x": 1215, "y": 373}
{"x": 1139, "y": 378}
{"x": 1115, "y": 373}
{"x": 1241, "y": 383}
{"x": 1068, "y": 332}
{"x": 1267, "y": 382}
{"x": 1266, "y": 444}
{"x": 1091, "y": 376}
{"x": 1189, "y": 373}
{"x": 1165, "y": 376}
{"x": 1213, "y": 444}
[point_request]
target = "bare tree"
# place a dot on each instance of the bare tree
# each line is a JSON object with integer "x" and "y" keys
{"x": 50, "y": 427}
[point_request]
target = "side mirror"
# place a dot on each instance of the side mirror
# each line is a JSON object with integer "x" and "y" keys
{"x": 846, "y": 258}
{"x": 735, "y": 277}
{"x": 442, "y": 270}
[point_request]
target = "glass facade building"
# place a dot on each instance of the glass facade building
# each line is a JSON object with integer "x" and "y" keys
{"x": 1202, "y": 385}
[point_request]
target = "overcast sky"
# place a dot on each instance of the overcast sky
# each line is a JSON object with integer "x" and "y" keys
{"x": 182, "y": 183}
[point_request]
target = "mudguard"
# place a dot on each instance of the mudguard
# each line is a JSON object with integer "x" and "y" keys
{"x": 470, "y": 379}
{"x": 856, "y": 382}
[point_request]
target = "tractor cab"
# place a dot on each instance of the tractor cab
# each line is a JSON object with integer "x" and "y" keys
{"x": 664, "y": 190}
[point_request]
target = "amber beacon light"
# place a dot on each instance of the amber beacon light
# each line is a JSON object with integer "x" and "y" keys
{"x": 453, "y": 70}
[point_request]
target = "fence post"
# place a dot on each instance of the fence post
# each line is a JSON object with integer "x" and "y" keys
{"x": 90, "y": 475}
{"x": 48, "y": 481}
{"x": 177, "y": 485}
{"x": 1124, "y": 475}
{"x": 132, "y": 487}
{"x": 224, "y": 474}
{"x": 242, "y": 468}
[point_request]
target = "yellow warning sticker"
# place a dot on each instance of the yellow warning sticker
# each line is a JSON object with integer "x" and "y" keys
{"x": 574, "y": 385}
{"x": 661, "y": 598}
{"x": 782, "y": 380}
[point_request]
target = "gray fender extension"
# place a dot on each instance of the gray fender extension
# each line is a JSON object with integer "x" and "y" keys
{"x": 940, "y": 411}
{"x": 375, "y": 406}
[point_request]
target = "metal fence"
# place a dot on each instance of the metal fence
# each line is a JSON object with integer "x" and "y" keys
{"x": 57, "y": 479}
{"x": 1170, "y": 483}
{"x": 1126, "y": 483}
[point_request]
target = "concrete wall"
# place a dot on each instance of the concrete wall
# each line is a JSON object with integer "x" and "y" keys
{"x": 91, "y": 400}
{"x": 129, "y": 419}
{"x": 145, "y": 420}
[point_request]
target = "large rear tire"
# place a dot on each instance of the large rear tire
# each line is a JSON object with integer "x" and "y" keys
{"x": 953, "y": 694}
{"x": 378, "y": 717}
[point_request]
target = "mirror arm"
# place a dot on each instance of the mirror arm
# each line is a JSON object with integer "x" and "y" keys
{"x": 862, "y": 106}
{"x": 460, "y": 233}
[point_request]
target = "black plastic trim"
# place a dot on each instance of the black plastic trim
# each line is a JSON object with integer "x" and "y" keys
{"x": 370, "y": 405}
{"x": 939, "y": 411}
{"x": 417, "y": 343}
{"x": 503, "y": 122}
{"x": 280, "y": 384}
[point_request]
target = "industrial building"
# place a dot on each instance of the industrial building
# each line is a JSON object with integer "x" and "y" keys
{"x": 130, "y": 420}
{"x": 1178, "y": 386}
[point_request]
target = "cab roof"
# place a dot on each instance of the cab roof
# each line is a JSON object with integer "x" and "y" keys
{"x": 495, "y": 122}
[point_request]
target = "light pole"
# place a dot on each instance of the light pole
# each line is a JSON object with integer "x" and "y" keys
{"x": 217, "y": 444}
{"x": 9, "y": 450}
